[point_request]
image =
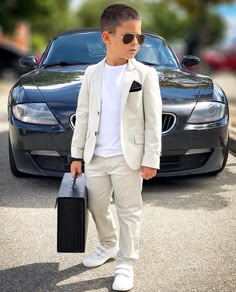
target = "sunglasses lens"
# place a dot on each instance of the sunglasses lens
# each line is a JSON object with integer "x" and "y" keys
{"x": 141, "y": 39}
{"x": 127, "y": 38}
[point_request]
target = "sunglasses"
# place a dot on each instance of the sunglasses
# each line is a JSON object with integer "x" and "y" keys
{"x": 128, "y": 38}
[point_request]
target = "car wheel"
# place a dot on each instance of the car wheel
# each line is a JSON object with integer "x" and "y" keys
{"x": 12, "y": 163}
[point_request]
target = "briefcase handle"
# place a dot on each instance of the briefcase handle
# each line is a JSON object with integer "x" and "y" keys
{"x": 74, "y": 180}
{"x": 73, "y": 187}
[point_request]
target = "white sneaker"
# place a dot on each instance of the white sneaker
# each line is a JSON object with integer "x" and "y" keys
{"x": 100, "y": 255}
{"x": 124, "y": 278}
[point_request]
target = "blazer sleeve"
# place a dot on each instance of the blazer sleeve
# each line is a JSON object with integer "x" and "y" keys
{"x": 152, "y": 103}
{"x": 82, "y": 115}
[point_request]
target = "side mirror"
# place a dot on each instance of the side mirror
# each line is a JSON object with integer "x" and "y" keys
{"x": 28, "y": 61}
{"x": 189, "y": 61}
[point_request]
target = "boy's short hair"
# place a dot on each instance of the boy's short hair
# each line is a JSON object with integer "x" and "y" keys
{"x": 115, "y": 14}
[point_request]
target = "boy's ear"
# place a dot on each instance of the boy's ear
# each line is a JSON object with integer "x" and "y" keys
{"x": 106, "y": 37}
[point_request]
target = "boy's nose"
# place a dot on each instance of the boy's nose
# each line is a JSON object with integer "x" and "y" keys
{"x": 135, "y": 40}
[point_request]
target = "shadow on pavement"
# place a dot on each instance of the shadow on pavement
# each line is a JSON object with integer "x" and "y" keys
{"x": 47, "y": 277}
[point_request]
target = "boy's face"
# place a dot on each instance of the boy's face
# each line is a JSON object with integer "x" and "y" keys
{"x": 118, "y": 52}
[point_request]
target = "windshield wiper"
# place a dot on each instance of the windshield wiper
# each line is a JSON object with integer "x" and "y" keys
{"x": 64, "y": 63}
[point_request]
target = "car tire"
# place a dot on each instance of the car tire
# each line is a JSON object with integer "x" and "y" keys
{"x": 12, "y": 163}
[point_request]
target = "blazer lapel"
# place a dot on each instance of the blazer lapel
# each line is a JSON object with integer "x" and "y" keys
{"x": 128, "y": 79}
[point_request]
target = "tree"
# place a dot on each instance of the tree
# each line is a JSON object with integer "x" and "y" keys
{"x": 198, "y": 12}
{"x": 46, "y": 18}
{"x": 158, "y": 16}
{"x": 158, "y": 20}
{"x": 58, "y": 19}
{"x": 89, "y": 12}
{"x": 12, "y": 11}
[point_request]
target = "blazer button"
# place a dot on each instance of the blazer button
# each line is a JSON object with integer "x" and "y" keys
{"x": 96, "y": 133}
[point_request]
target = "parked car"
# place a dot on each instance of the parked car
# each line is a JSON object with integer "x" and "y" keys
{"x": 9, "y": 62}
{"x": 221, "y": 59}
{"x": 42, "y": 105}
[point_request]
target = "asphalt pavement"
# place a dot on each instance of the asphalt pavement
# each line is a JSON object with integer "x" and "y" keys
{"x": 188, "y": 238}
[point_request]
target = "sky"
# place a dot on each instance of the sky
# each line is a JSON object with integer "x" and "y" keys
{"x": 227, "y": 11}
{"x": 229, "y": 14}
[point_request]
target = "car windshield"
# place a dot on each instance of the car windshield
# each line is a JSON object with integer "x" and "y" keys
{"x": 88, "y": 48}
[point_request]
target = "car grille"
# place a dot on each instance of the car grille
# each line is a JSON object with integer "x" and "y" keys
{"x": 183, "y": 162}
{"x": 168, "y": 122}
{"x": 168, "y": 164}
{"x": 72, "y": 121}
{"x": 51, "y": 163}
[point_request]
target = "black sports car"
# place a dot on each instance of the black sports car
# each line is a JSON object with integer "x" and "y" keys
{"x": 42, "y": 106}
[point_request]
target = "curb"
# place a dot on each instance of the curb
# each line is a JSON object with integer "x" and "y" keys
{"x": 232, "y": 126}
{"x": 232, "y": 135}
{"x": 232, "y": 146}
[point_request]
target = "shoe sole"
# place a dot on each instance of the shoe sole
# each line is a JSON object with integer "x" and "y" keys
{"x": 94, "y": 266}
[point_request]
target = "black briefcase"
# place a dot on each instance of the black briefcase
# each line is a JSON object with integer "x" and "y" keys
{"x": 72, "y": 214}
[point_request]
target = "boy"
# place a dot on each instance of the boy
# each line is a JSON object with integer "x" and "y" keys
{"x": 118, "y": 135}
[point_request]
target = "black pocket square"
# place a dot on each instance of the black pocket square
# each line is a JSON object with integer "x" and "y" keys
{"x": 135, "y": 87}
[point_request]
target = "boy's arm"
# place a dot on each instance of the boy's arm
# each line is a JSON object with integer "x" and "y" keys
{"x": 153, "y": 120}
{"x": 81, "y": 124}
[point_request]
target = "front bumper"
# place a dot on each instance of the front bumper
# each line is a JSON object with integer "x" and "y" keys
{"x": 196, "y": 149}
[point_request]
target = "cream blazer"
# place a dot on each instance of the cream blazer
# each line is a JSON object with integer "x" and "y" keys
{"x": 141, "y": 115}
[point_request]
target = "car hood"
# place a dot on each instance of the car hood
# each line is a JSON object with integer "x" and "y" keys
{"x": 182, "y": 87}
{"x": 60, "y": 89}
{"x": 59, "y": 86}
{"x": 178, "y": 84}
{"x": 64, "y": 85}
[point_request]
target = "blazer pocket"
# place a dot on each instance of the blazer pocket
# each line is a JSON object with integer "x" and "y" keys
{"x": 135, "y": 89}
{"x": 135, "y": 86}
{"x": 135, "y": 99}
{"x": 135, "y": 94}
{"x": 139, "y": 138}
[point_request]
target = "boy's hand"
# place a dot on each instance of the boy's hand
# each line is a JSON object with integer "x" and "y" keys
{"x": 76, "y": 167}
{"x": 148, "y": 172}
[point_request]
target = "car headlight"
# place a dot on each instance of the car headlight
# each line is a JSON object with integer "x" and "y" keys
{"x": 34, "y": 113}
{"x": 207, "y": 112}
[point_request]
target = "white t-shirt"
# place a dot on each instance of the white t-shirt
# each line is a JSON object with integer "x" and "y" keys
{"x": 108, "y": 139}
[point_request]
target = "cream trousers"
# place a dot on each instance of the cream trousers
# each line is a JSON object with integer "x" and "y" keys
{"x": 103, "y": 176}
